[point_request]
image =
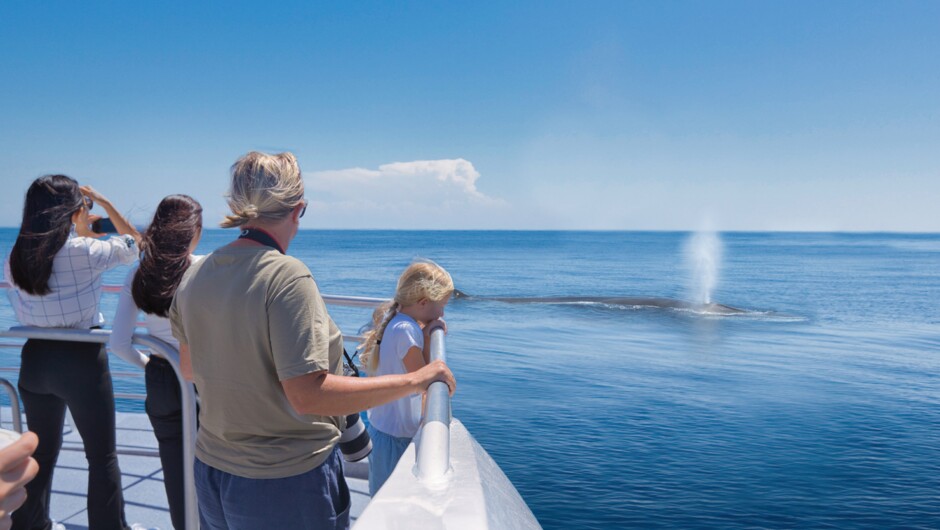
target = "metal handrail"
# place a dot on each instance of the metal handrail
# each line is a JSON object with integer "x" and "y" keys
{"x": 14, "y": 398}
{"x": 188, "y": 394}
{"x": 348, "y": 301}
{"x": 14, "y": 405}
{"x": 433, "y": 447}
{"x": 105, "y": 288}
{"x": 100, "y": 336}
{"x": 353, "y": 301}
{"x": 170, "y": 353}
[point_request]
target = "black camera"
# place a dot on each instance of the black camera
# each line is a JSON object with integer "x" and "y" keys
{"x": 103, "y": 226}
{"x": 355, "y": 442}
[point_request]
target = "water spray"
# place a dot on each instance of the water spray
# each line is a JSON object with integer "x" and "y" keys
{"x": 703, "y": 256}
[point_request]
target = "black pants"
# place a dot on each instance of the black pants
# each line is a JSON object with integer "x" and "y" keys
{"x": 53, "y": 375}
{"x": 165, "y": 408}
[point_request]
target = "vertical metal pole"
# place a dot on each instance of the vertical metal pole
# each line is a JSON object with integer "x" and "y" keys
{"x": 14, "y": 405}
{"x": 188, "y": 394}
{"x": 433, "y": 458}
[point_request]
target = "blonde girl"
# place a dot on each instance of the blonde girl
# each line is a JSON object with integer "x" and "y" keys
{"x": 400, "y": 344}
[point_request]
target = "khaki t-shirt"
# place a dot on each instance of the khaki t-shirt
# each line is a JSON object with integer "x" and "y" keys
{"x": 252, "y": 318}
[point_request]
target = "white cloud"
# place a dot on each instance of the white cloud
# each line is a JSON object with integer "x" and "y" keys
{"x": 458, "y": 173}
{"x": 402, "y": 195}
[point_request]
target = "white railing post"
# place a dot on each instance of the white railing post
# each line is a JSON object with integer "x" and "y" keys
{"x": 14, "y": 404}
{"x": 188, "y": 395}
{"x": 433, "y": 447}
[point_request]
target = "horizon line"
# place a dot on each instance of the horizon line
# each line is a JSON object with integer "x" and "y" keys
{"x": 586, "y": 230}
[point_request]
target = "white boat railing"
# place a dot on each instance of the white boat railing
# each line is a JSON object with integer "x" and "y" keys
{"x": 433, "y": 451}
{"x": 188, "y": 394}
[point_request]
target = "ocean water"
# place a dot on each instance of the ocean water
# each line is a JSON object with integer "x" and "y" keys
{"x": 817, "y": 408}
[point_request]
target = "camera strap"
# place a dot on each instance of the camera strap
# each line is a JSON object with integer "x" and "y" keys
{"x": 349, "y": 363}
{"x": 260, "y": 236}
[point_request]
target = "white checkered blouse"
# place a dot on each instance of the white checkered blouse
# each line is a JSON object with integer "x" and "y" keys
{"x": 75, "y": 284}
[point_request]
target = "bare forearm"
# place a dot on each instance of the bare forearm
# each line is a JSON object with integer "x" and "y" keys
{"x": 186, "y": 362}
{"x": 335, "y": 395}
{"x": 121, "y": 224}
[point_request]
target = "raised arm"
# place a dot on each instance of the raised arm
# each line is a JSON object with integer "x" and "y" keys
{"x": 121, "y": 224}
{"x": 186, "y": 362}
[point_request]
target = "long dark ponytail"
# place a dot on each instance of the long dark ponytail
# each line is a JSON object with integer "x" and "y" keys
{"x": 47, "y": 220}
{"x": 164, "y": 253}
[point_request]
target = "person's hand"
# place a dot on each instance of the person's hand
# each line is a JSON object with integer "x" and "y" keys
{"x": 436, "y": 371}
{"x": 94, "y": 195}
{"x": 84, "y": 228}
{"x": 17, "y": 467}
{"x": 121, "y": 224}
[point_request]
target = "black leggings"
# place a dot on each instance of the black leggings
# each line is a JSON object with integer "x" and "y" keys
{"x": 53, "y": 375}
{"x": 165, "y": 409}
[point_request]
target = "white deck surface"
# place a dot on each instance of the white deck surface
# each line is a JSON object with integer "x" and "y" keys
{"x": 142, "y": 477}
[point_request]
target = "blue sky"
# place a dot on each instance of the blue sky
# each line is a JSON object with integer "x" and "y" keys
{"x": 523, "y": 115}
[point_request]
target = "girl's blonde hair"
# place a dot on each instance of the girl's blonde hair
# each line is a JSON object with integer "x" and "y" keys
{"x": 265, "y": 187}
{"x": 422, "y": 279}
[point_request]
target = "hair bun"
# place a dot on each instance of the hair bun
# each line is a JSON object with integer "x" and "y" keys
{"x": 250, "y": 212}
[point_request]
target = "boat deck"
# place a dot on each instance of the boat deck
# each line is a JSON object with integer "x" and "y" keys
{"x": 141, "y": 476}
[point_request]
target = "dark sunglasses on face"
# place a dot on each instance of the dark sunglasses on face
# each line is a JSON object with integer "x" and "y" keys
{"x": 89, "y": 204}
{"x": 302, "y": 212}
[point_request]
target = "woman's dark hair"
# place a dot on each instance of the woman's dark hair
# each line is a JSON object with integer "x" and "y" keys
{"x": 47, "y": 220}
{"x": 164, "y": 253}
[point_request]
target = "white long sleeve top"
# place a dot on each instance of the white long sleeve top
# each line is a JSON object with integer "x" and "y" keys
{"x": 125, "y": 322}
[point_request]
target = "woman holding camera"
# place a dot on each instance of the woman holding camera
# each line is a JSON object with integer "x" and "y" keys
{"x": 267, "y": 360}
{"x": 55, "y": 271}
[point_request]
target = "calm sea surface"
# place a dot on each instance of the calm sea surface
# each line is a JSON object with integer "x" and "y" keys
{"x": 818, "y": 409}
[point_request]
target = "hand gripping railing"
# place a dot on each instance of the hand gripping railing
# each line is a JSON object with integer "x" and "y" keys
{"x": 433, "y": 459}
{"x": 157, "y": 347}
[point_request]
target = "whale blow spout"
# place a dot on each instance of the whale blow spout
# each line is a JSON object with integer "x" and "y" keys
{"x": 703, "y": 258}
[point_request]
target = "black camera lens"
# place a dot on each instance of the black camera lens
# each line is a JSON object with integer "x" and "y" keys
{"x": 355, "y": 442}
